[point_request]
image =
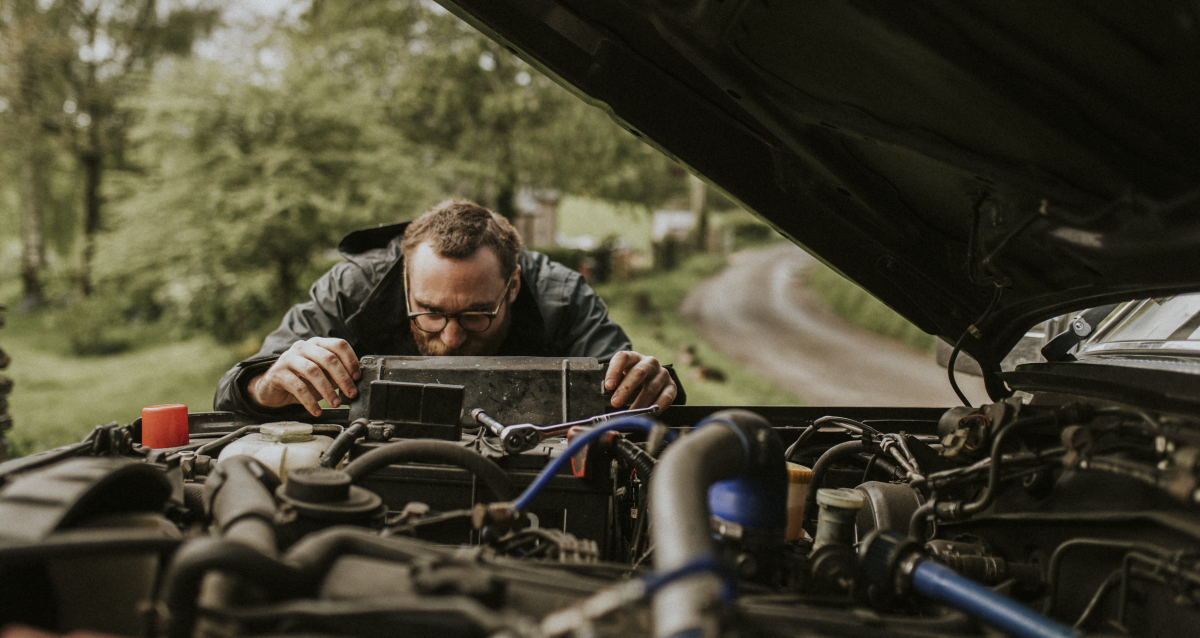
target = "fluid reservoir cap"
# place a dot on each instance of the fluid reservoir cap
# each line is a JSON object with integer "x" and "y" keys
{"x": 286, "y": 432}
{"x": 840, "y": 498}
{"x": 318, "y": 485}
{"x": 326, "y": 493}
{"x": 164, "y": 426}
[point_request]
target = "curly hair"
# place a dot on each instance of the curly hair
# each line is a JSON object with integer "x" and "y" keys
{"x": 456, "y": 229}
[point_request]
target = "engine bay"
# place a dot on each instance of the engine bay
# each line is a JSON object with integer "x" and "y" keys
{"x": 497, "y": 497}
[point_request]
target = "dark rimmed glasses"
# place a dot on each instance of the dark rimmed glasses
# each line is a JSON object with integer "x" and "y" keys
{"x": 470, "y": 320}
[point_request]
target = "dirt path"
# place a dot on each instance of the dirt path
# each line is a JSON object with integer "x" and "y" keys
{"x": 758, "y": 313}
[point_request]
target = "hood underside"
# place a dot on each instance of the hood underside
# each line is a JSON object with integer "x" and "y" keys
{"x": 934, "y": 152}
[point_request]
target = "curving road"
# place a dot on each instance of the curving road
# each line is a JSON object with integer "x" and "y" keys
{"x": 760, "y": 313}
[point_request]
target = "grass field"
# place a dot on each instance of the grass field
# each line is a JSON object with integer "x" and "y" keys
{"x": 58, "y": 398}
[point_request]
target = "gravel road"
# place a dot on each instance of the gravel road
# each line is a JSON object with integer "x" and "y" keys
{"x": 759, "y": 312}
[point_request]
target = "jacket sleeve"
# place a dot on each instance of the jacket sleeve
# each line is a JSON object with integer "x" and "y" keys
{"x": 333, "y": 297}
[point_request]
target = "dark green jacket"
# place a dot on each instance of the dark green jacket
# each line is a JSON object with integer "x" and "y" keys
{"x": 361, "y": 300}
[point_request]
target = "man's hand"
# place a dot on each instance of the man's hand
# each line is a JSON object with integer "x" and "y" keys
{"x": 636, "y": 375}
{"x": 308, "y": 372}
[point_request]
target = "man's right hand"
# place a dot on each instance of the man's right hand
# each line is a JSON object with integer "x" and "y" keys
{"x": 308, "y": 372}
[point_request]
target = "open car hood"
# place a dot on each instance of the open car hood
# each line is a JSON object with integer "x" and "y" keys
{"x": 933, "y": 151}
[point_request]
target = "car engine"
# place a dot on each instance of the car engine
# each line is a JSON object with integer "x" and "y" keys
{"x": 496, "y": 497}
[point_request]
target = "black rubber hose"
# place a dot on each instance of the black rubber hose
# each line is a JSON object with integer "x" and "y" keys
{"x": 918, "y": 522}
{"x": 426, "y": 451}
{"x": 213, "y": 448}
{"x": 315, "y": 554}
{"x": 193, "y": 498}
{"x": 200, "y": 556}
{"x": 831, "y": 456}
{"x": 240, "y": 496}
{"x": 886, "y": 466}
{"x": 635, "y": 457}
{"x": 342, "y": 444}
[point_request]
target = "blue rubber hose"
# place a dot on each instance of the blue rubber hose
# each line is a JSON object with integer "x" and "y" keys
{"x": 703, "y": 563}
{"x": 578, "y": 443}
{"x": 942, "y": 583}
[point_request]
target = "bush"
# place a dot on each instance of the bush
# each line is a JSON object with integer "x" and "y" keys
{"x": 233, "y": 311}
{"x": 99, "y": 325}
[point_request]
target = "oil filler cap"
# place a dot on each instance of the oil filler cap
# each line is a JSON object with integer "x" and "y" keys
{"x": 318, "y": 485}
{"x": 326, "y": 493}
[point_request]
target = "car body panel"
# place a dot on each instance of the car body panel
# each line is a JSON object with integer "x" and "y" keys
{"x": 932, "y": 152}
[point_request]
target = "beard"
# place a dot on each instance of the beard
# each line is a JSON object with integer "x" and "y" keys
{"x": 480, "y": 344}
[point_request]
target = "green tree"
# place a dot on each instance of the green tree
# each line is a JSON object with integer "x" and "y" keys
{"x": 31, "y": 47}
{"x": 495, "y": 122}
{"x": 255, "y": 179}
{"x": 67, "y": 64}
{"x": 359, "y": 114}
{"x": 117, "y": 43}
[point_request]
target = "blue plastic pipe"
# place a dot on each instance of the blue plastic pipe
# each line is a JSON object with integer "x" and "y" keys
{"x": 578, "y": 443}
{"x": 942, "y": 583}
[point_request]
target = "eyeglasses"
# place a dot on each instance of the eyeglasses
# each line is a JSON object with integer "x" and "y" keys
{"x": 471, "y": 320}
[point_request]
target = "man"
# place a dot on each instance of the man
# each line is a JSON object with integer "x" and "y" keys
{"x": 456, "y": 281}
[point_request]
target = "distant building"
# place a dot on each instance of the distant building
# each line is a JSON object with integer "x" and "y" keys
{"x": 535, "y": 215}
{"x": 677, "y": 224}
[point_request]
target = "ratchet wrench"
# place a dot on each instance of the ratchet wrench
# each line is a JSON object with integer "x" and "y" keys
{"x": 526, "y": 436}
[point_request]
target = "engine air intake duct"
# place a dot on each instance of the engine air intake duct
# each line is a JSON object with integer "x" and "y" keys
{"x": 728, "y": 445}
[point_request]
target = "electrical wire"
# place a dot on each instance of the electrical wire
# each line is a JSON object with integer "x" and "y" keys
{"x": 800, "y": 441}
{"x": 850, "y": 425}
{"x": 1054, "y": 565}
{"x": 1101, "y": 592}
{"x": 577, "y": 444}
{"x": 705, "y": 563}
{"x": 958, "y": 346}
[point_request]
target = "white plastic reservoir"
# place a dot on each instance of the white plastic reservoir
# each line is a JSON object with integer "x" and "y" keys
{"x": 282, "y": 446}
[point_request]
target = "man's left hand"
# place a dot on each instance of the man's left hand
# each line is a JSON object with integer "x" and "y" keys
{"x": 641, "y": 378}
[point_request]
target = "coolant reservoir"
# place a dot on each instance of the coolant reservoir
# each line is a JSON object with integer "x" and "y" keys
{"x": 798, "y": 480}
{"x": 282, "y": 446}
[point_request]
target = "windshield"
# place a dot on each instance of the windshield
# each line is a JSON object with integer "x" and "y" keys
{"x": 1169, "y": 324}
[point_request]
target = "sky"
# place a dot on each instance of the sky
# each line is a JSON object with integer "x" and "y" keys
{"x": 246, "y": 25}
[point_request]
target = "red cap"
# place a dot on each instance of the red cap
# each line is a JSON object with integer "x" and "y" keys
{"x": 164, "y": 426}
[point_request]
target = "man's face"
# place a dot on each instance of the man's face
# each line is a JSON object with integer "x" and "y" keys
{"x": 440, "y": 284}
